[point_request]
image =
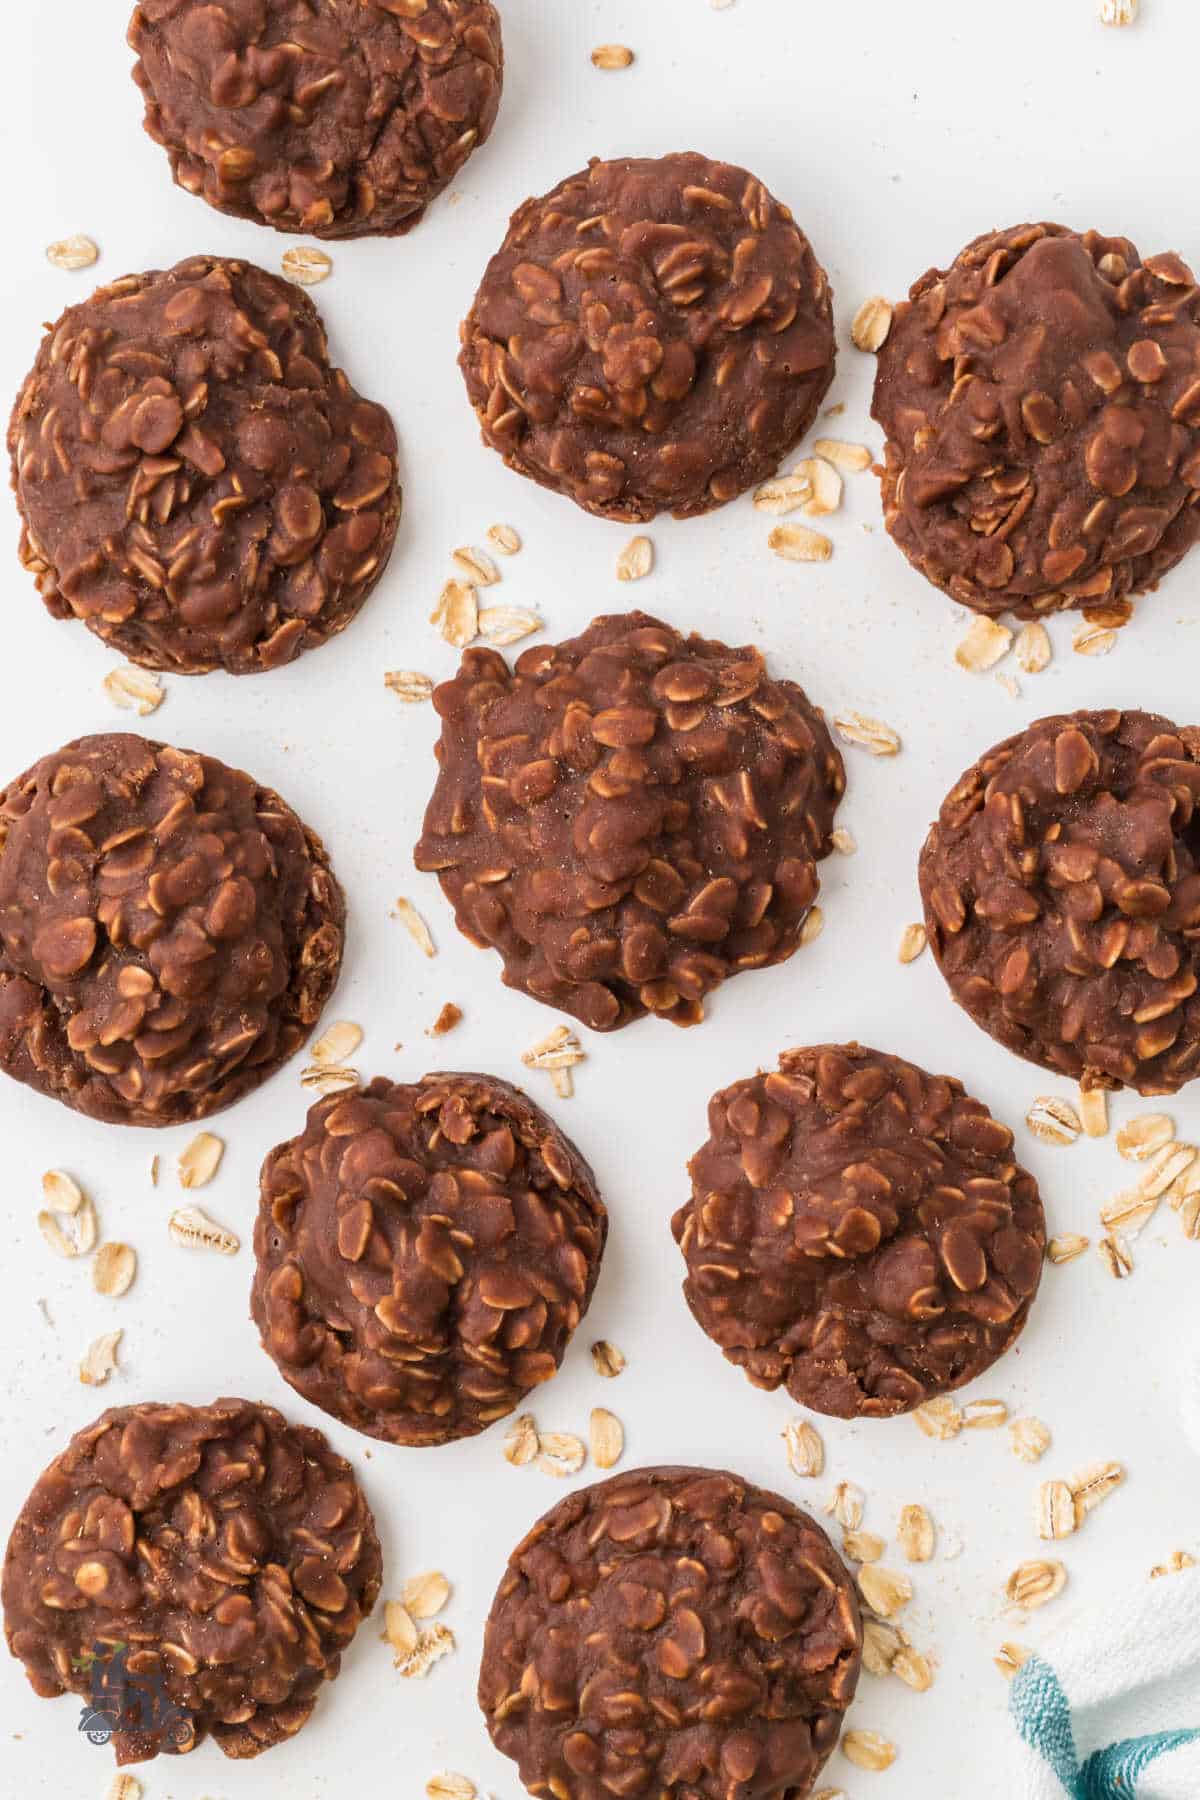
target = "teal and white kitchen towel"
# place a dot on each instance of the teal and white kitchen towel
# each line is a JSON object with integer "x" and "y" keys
{"x": 1110, "y": 1708}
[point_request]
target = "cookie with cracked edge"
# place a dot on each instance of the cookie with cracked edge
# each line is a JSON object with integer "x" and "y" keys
{"x": 190, "y": 1571}
{"x": 343, "y": 120}
{"x": 1061, "y": 885}
{"x": 671, "y": 1630}
{"x": 859, "y": 1232}
{"x": 196, "y": 482}
{"x": 629, "y": 817}
{"x": 654, "y": 334}
{"x": 169, "y": 930}
{"x": 424, "y": 1253}
{"x": 1041, "y": 400}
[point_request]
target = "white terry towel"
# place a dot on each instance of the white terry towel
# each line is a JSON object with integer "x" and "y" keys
{"x": 1110, "y": 1709}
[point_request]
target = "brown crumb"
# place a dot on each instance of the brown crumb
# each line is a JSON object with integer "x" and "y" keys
{"x": 447, "y": 1019}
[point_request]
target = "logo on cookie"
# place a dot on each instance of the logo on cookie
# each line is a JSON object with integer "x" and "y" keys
{"x": 129, "y": 1700}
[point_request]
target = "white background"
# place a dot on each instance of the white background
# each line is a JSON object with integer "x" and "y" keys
{"x": 896, "y": 132}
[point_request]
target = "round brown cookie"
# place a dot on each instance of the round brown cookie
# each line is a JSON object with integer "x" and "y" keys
{"x": 629, "y": 817}
{"x": 424, "y": 1254}
{"x": 654, "y": 333}
{"x": 859, "y": 1232}
{"x": 187, "y": 1570}
{"x": 1041, "y": 399}
{"x": 343, "y": 120}
{"x": 169, "y": 930}
{"x": 671, "y": 1631}
{"x": 195, "y": 481}
{"x": 1062, "y": 896}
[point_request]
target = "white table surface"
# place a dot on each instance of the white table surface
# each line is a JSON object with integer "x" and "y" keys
{"x": 896, "y": 132}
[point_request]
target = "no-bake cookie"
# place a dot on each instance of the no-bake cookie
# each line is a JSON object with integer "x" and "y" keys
{"x": 339, "y": 120}
{"x": 859, "y": 1232}
{"x": 169, "y": 930}
{"x": 1041, "y": 399}
{"x": 195, "y": 481}
{"x": 671, "y": 1631}
{"x": 654, "y": 334}
{"x": 1062, "y": 897}
{"x": 629, "y": 817}
{"x": 198, "y": 1569}
{"x": 424, "y": 1254}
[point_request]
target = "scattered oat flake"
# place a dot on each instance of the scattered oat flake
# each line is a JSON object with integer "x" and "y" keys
{"x": 825, "y": 486}
{"x": 338, "y": 1043}
{"x": 843, "y": 841}
{"x": 913, "y": 1669}
{"x": 983, "y": 646}
{"x": 559, "y": 1049}
{"x": 1174, "y": 1565}
{"x": 192, "y": 1227}
{"x": 431, "y": 1646}
{"x": 607, "y": 1360}
{"x": 478, "y": 567}
{"x": 134, "y": 690}
{"x": 409, "y": 685}
{"x": 881, "y": 1646}
{"x": 869, "y": 734}
{"x": 399, "y": 1628}
{"x": 1093, "y": 1111}
{"x": 1141, "y": 1138}
{"x": 939, "y": 1418}
{"x": 456, "y": 614}
{"x": 814, "y": 924}
{"x": 916, "y": 1534}
{"x": 125, "y": 1787}
{"x": 521, "y": 1441}
{"x": 863, "y": 1546}
{"x": 1011, "y": 687}
{"x": 984, "y": 1415}
{"x": 1053, "y": 1120}
{"x": 200, "y": 1160}
{"x": 114, "y": 1269}
{"x": 504, "y": 625}
{"x": 872, "y": 322}
{"x": 1118, "y": 12}
{"x": 805, "y": 1450}
{"x": 1165, "y": 1168}
{"x": 868, "y": 1750}
{"x": 612, "y": 56}
{"x": 1011, "y": 1659}
{"x": 846, "y": 1504}
{"x": 1054, "y": 1510}
{"x": 783, "y": 494}
{"x": 504, "y": 538}
{"x": 560, "y": 1453}
{"x": 1030, "y": 1439}
{"x": 100, "y": 1359}
{"x": 1129, "y": 1211}
{"x": 447, "y": 1019}
{"x": 306, "y": 265}
{"x": 636, "y": 560}
{"x": 61, "y": 1192}
{"x": 70, "y": 1234}
{"x": 913, "y": 940}
{"x": 154, "y": 1170}
{"x": 796, "y": 543}
{"x": 448, "y": 1786}
{"x": 606, "y": 1436}
{"x": 425, "y": 1595}
{"x": 1092, "y": 640}
{"x": 1033, "y": 648}
{"x": 1093, "y": 1486}
{"x": 415, "y": 925}
{"x": 326, "y": 1081}
{"x": 1116, "y": 1255}
{"x": 886, "y": 1591}
{"x": 71, "y": 253}
{"x": 1066, "y": 1248}
{"x": 1035, "y": 1584}
{"x": 853, "y": 458}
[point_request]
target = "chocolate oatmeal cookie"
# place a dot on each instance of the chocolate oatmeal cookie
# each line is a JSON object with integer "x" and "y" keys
{"x": 339, "y": 120}
{"x": 424, "y": 1254}
{"x": 195, "y": 481}
{"x": 169, "y": 930}
{"x": 671, "y": 1631}
{"x": 630, "y": 817}
{"x": 1041, "y": 399}
{"x": 653, "y": 334}
{"x": 190, "y": 1570}
{"x": 1061, "y": 884}
{"x": 859, "y": 1232}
